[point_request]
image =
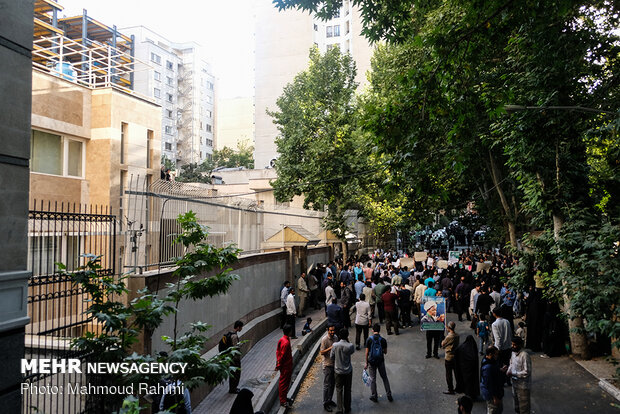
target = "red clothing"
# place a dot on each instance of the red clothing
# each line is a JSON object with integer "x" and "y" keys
{"x": 389, "y": 301}
{"x": 284, "y": 363}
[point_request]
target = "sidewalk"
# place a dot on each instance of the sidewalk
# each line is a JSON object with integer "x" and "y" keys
{"x": 258, "y": 368}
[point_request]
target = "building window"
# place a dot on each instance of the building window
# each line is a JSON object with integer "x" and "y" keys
{"x": 337, "y": 30}
{"x": 155, "y": 58}
{"x": 169, "y": 65}
{"x": 169, "y": 81}
{"x": 74, "y": 157}
{"x": 157, "y": 93}
{"x": 51, "y": 154}
{"x": 168, "y": 146}
{"x": 209, "y": 113}
{"x": 209, "y": 99}
{"x": 200, "y": 154}
{"x": 316, "y": 27}
{"x": 157, "y": 76}
{"x": 208, "y": 128}
{"x": 209, "y": 142}
{"x": 123, "y": 141}
{"x": 168, "y": 129}
{"x": 46, "y": 153}
{"x": 347, "y": 28}
{"x": 329, "y": 31}
{"x": 169, "y": 97}
{"x": 149, "y": 146}
{"x": 209, "y": 85}
{"x": 168, "y": 113}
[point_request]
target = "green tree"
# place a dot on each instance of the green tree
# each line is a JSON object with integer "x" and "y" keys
{"x": 436, "y": 110}
{"x": 194, "y": 173}
{"x": 320, "y": 154}
{"x": 121, "y": 323}
{"x": 243, "y": 156}
{"x": 167, "y": 163}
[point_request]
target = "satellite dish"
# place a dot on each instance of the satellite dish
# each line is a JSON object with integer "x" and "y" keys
{"x": 272, "y": 163}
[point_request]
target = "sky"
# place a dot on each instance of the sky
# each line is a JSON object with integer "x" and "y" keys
{"x": 224, "y": 28}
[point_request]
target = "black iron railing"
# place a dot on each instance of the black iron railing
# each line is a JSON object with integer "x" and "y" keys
{"x": 61, "y": 233}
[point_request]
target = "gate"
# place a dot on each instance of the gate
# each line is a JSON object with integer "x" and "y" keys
{"x": 61, "y": 234}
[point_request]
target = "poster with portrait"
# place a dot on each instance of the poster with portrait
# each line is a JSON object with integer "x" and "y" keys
{"x": 433, "y": 313}
{"x": 454, "y": 256}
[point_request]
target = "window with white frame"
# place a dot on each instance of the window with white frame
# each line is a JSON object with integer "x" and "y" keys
{"x": 209, "y": 85}
{"x": 209, "y": 113}
{"x": 168, "y": 129}
{"x": 54, "y": 154}
{"x": 208, "y": 128}
{"x": 336, "y": 30}
{"x": 157, "y": 76}
{"x": 209, "y": 99}
{"x": 157, "y": 92}
{"x": 155, "y": 58}
{"x": 169, "y": 97}
{"x": 169, "y": 81}
{"x": 329, "y": 31}
{"x": 169, "y": 65}
{"x": 167, "y": 146}
{"x": 168, "y": 113}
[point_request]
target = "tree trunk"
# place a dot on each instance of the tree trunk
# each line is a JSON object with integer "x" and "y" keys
{"x": 578, "y": 340}
{"x": 510, "y": 219}
{"x": 512, "y": 232}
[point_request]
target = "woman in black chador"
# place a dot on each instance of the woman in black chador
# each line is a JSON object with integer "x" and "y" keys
{"x": 466, "y": 359}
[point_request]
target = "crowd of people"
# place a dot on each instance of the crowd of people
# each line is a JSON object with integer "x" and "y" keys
{"x": 376, "y": 287}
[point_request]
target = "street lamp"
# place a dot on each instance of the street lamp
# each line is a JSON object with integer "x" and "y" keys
{"x": 516, "y": 108}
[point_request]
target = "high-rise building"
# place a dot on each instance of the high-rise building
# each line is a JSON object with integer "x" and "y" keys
{"x": 235, "y": 122}
{"x": 283, "y": 40}
{"x": 182, "y": 82}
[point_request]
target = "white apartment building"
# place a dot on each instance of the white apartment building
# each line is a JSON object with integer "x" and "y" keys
{"x": 283, "y": 40}
{"x": 181, "y": 81}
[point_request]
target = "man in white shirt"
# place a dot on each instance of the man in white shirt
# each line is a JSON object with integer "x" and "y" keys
{"x": 362, "y": 320}
{"x": 502, "y": 336}
{"x": 291, "y": 310}
{"x": 472, "y": 299}
{"x": 283, "y": 296}
{"x": 330, "y": 294}
{"x": 520, "y": 370}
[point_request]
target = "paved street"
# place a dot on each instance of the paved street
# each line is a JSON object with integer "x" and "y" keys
{"x": 559, "y": 384}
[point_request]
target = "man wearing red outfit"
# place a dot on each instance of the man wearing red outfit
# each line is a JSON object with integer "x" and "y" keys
{"x": 284, "y": 364}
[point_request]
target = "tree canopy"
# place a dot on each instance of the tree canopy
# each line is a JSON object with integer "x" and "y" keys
{"x": 435, "y": 114}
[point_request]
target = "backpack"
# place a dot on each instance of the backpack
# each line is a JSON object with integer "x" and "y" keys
{"x": 375, "y": 355}
{"x": 225, "y": 342}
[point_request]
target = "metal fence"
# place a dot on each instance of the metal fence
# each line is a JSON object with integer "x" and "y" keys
{"x": 61, "y": 234}
{"x": 151, "y": 210}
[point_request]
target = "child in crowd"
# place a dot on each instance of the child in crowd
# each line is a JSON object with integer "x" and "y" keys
{"x": 482, "y": 330}
{"x": 520, "y": 332}
{"x": 306, "y": 329}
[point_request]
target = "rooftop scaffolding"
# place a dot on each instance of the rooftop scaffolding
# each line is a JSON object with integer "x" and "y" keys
{"x": 83, "y": 50}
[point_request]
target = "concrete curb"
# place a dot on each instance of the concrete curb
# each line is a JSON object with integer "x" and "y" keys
{"x": 308, "y": 346}
{"x": 609, "y": 388}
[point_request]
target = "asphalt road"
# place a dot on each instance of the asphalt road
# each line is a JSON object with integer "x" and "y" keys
{"x": 559, "y": 385}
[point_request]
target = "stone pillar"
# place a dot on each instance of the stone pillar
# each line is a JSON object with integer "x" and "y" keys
{"x": 16, "y": 32}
